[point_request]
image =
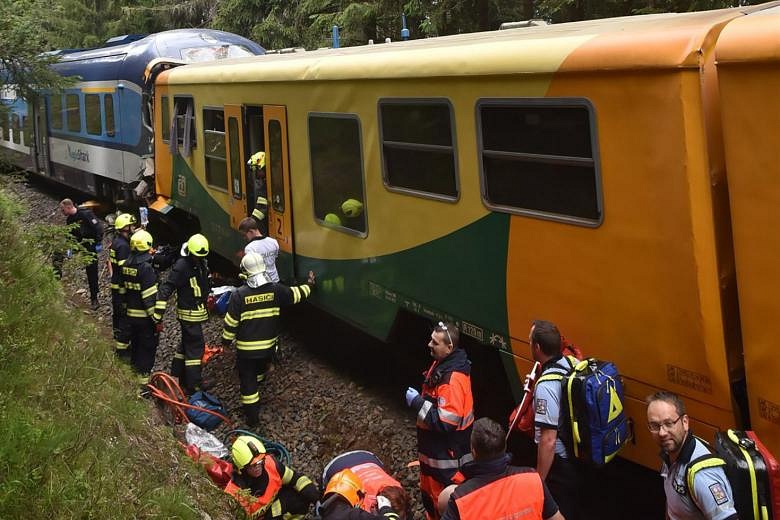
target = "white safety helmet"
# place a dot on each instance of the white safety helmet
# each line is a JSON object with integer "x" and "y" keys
{"x": 252, "y": 264}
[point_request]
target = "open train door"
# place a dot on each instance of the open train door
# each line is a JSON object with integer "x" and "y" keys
{"x": 40, "y": 148}
{"x": 277, "y": 166}
{"x": 234, "y": 126}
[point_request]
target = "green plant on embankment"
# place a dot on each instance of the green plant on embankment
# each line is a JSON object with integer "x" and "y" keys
{"x": 75, "y": 441}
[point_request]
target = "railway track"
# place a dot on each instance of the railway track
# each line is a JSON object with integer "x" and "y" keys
{"x": 334, "y": 389}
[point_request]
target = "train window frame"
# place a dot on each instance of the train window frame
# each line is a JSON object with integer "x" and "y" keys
{"x": 87, "y": 114}
{"x": 73, "y": 112}
{"x": 165, "y": 119}
{"x": 206, "y": 156}
{"x": 321, "y": 221}
{"x": 16, "y": 127}
{"x": 396, "y": 188}
{"x": 5, "y": 126}
{"x": 56, "y": 120}
{"x": 185, "y": 101}
{"x": 232, "y": 128}
{"x": 594, "y": 161}
{"x": 110, "y": 116}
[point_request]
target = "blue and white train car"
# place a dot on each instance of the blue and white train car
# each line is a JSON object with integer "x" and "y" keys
{"x": 95, "y": 136}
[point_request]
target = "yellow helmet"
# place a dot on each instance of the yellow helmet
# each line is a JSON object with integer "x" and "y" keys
{"x": 347, "y": 484}
{"x": 198, "y": 245}
{"x": 352, "y": 207}
{"x": 252, "y": 264}
{"x": 141, "y": 240}
{"x": 332, "y": 219}
{"x": 246, "y": 450}
{"x": 124, "y": 220}
{"x": 257, "y": 160}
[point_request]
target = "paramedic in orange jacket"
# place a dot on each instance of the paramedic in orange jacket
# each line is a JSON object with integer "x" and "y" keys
{"x": 266, "y": 488}
{"x": 495, "y": 489}
{"x": 445, "y": 413}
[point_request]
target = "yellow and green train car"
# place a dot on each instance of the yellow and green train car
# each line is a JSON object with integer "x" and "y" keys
{"x": 573, "y": 173}
{"x": 748, "y": 61}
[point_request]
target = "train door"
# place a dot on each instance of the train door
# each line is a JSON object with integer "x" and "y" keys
{"x": 40, "y": 152}
{"x": 277, "y": 165}
{"x": 235, "y": 163}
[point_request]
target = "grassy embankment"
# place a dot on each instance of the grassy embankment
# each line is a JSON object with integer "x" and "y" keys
{"x": 75, "y": 441}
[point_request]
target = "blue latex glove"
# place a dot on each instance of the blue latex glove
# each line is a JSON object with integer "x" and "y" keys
{"x": 411, "y": 393}
{"x": 98, "y": 248}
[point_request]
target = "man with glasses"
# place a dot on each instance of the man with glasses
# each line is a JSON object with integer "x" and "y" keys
{"x": 710, "y": 497}
{"x": 445, "y": 413}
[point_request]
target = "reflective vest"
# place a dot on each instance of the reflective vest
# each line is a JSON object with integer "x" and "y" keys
{"x": 517, "y": 495}
{"x": 374, "y": 479}
{"x": 256, "y": 506}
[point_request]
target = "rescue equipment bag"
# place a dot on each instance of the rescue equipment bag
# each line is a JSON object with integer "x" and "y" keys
{"x": 203, "y": 419}
{"x": 594, "y": 425}
{"x": 752, "y": 471}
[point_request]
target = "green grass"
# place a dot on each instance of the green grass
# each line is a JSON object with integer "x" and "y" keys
{"x": 75, "y": 441}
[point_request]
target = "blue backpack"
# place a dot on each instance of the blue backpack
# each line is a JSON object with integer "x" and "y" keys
{"x": 203, "y": 419}
{"x": 594, "y": 425}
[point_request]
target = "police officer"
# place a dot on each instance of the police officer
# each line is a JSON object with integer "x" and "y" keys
{"x": 710, "y": 497}
{"x": 252, "y": 320}
{"x": 375, "y": 486}
{"x": 266, "y": 247}
{"x": 445, "y": 414}
{"x": 90, "y": 234}
{"x": 140, "y": 281}
{"x": 493, "y": 488}
{"x": 117, "y": 255}
{"x": 553, "y": 463}
{"x": 189, "y": 279}
{"x": 275, "y": 491}
{"x": 344, "y": 497}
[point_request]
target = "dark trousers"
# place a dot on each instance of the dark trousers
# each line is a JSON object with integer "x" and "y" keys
{"x": 292, "y": 504}
{"x": 187, "y": 360}
{"x": 92, "y": 279}
{"x": 121, "y": 326}
{"x": 251, "y": 372}
{"x": 143, "y": 345}
{"x": 564, "y": 483}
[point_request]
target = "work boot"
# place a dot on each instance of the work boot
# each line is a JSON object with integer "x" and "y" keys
{"x": 94, "y": 304}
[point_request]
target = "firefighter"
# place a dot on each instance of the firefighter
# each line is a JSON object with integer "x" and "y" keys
{"x": 140, "y": 281}
{"x": 252, "y": 320}
{"x": 374, "y": 492}
{"x": 189, "y": 279}
{"x": 445, "y": 414}
{"x": 90, "y": 235}
{"x": 260, "y": 211}
{"x": 117, "y": 255}
{"x": 495, "y": 489}
{"x": 265, "y": 487}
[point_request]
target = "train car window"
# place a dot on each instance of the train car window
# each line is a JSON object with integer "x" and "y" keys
{"x": 235, "y": 159}
{"x": 214, "y": 148}
{"x": 16, "y": 128}
{"x": 337, "y": 172}
{"x": 165, "y": 117}
{"x": 184, "y": 114}
{"x": 539, "y": 157}
{"x": 418, "y": 152}
{"x": 55, "y": 104}
{"x": 92, "y": 114}
{"x": 108, "y": 109}
{"x": 277, "y": 173}
{"x": 73, "y": 112}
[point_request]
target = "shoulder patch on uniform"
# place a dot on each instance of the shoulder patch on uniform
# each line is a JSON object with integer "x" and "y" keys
{"x": 541, "y": 406}
{"x": 94, "y": 221}
{"x": 718, "y": 494}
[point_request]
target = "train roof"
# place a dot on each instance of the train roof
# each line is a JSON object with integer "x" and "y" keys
{"x": 751, "y": 38}
{"x": 657, "y": 41}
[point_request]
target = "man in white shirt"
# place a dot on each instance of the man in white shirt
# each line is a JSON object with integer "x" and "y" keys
{"x": 266, "y": 247}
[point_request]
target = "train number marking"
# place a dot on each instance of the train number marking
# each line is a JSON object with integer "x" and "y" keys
{"x": 181, "y": 185}
{"x": 472, "y": 330}
{"x": 769, "y": 410}
{"x": 689, "y": 378}
{"x": 279, "y": 226}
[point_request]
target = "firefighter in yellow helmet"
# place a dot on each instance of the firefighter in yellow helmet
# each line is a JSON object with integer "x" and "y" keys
{"x": 117, "y": 256}
{"x": 344, "y": 499}
{"x": 252, "y": 320}
{"x": 265, "y": 487}
{"x": 260, "y": 211}
{"x": 189, "y": 279}
{"x": 140, "y": 282}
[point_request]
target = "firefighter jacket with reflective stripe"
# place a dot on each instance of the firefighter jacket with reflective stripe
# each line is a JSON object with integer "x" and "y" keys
{"x": 496, "y": 490}
{"x": 445, "y": 413}
{"x": 258, "y": 495}
{"x": 89, "y": 227}
{"x": 252, "y": 318}
{"x": 189, "y": 278}
{"x": 117, "y": 254}
{"x": 140, "y": 281}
